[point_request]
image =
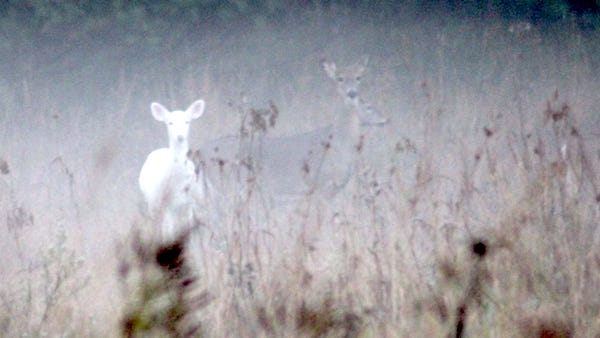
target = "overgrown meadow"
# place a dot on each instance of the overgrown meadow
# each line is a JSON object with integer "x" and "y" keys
{"x": 473, "y": 212}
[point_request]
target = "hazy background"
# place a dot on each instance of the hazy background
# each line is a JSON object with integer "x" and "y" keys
{"x": 459, "y": 82}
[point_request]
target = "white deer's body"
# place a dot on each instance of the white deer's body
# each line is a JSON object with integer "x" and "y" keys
{"x": 168, "y": 179}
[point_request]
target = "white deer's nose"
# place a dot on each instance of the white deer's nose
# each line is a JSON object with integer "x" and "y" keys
{"x": 180, "y": 138}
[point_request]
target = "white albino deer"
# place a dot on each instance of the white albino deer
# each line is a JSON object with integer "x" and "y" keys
{"x": 168, "y": 179}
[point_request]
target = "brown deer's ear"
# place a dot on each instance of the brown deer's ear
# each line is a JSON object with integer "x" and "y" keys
{"x": 365, "y": 61}
{"x": 329, "y": 68}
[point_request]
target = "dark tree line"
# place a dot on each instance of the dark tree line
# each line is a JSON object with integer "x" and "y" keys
{"x": 30, "y": 27}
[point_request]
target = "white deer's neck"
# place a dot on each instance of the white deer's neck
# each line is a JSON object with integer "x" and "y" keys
{"x": 179, "y": 151}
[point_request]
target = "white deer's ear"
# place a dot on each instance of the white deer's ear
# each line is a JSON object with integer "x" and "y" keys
{"x": 196, "y": 109}
{"x": 329, "y": 68}
{"x": 159, "y": 111}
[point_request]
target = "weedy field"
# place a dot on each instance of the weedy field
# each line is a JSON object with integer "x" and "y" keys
{"x": 473, "y": 212}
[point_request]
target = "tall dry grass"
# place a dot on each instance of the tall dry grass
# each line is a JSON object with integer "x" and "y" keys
{"x": 474, "y": 213}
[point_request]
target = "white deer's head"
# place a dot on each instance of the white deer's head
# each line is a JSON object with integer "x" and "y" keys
{"x": 178, "y": 122}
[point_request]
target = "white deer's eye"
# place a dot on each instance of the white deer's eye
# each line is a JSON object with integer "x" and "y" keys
{"x": 340, "y": 79}
{"x": 358, "y": 78}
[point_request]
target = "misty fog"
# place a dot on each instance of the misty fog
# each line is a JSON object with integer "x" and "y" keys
{"x": 469, "y": 102}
